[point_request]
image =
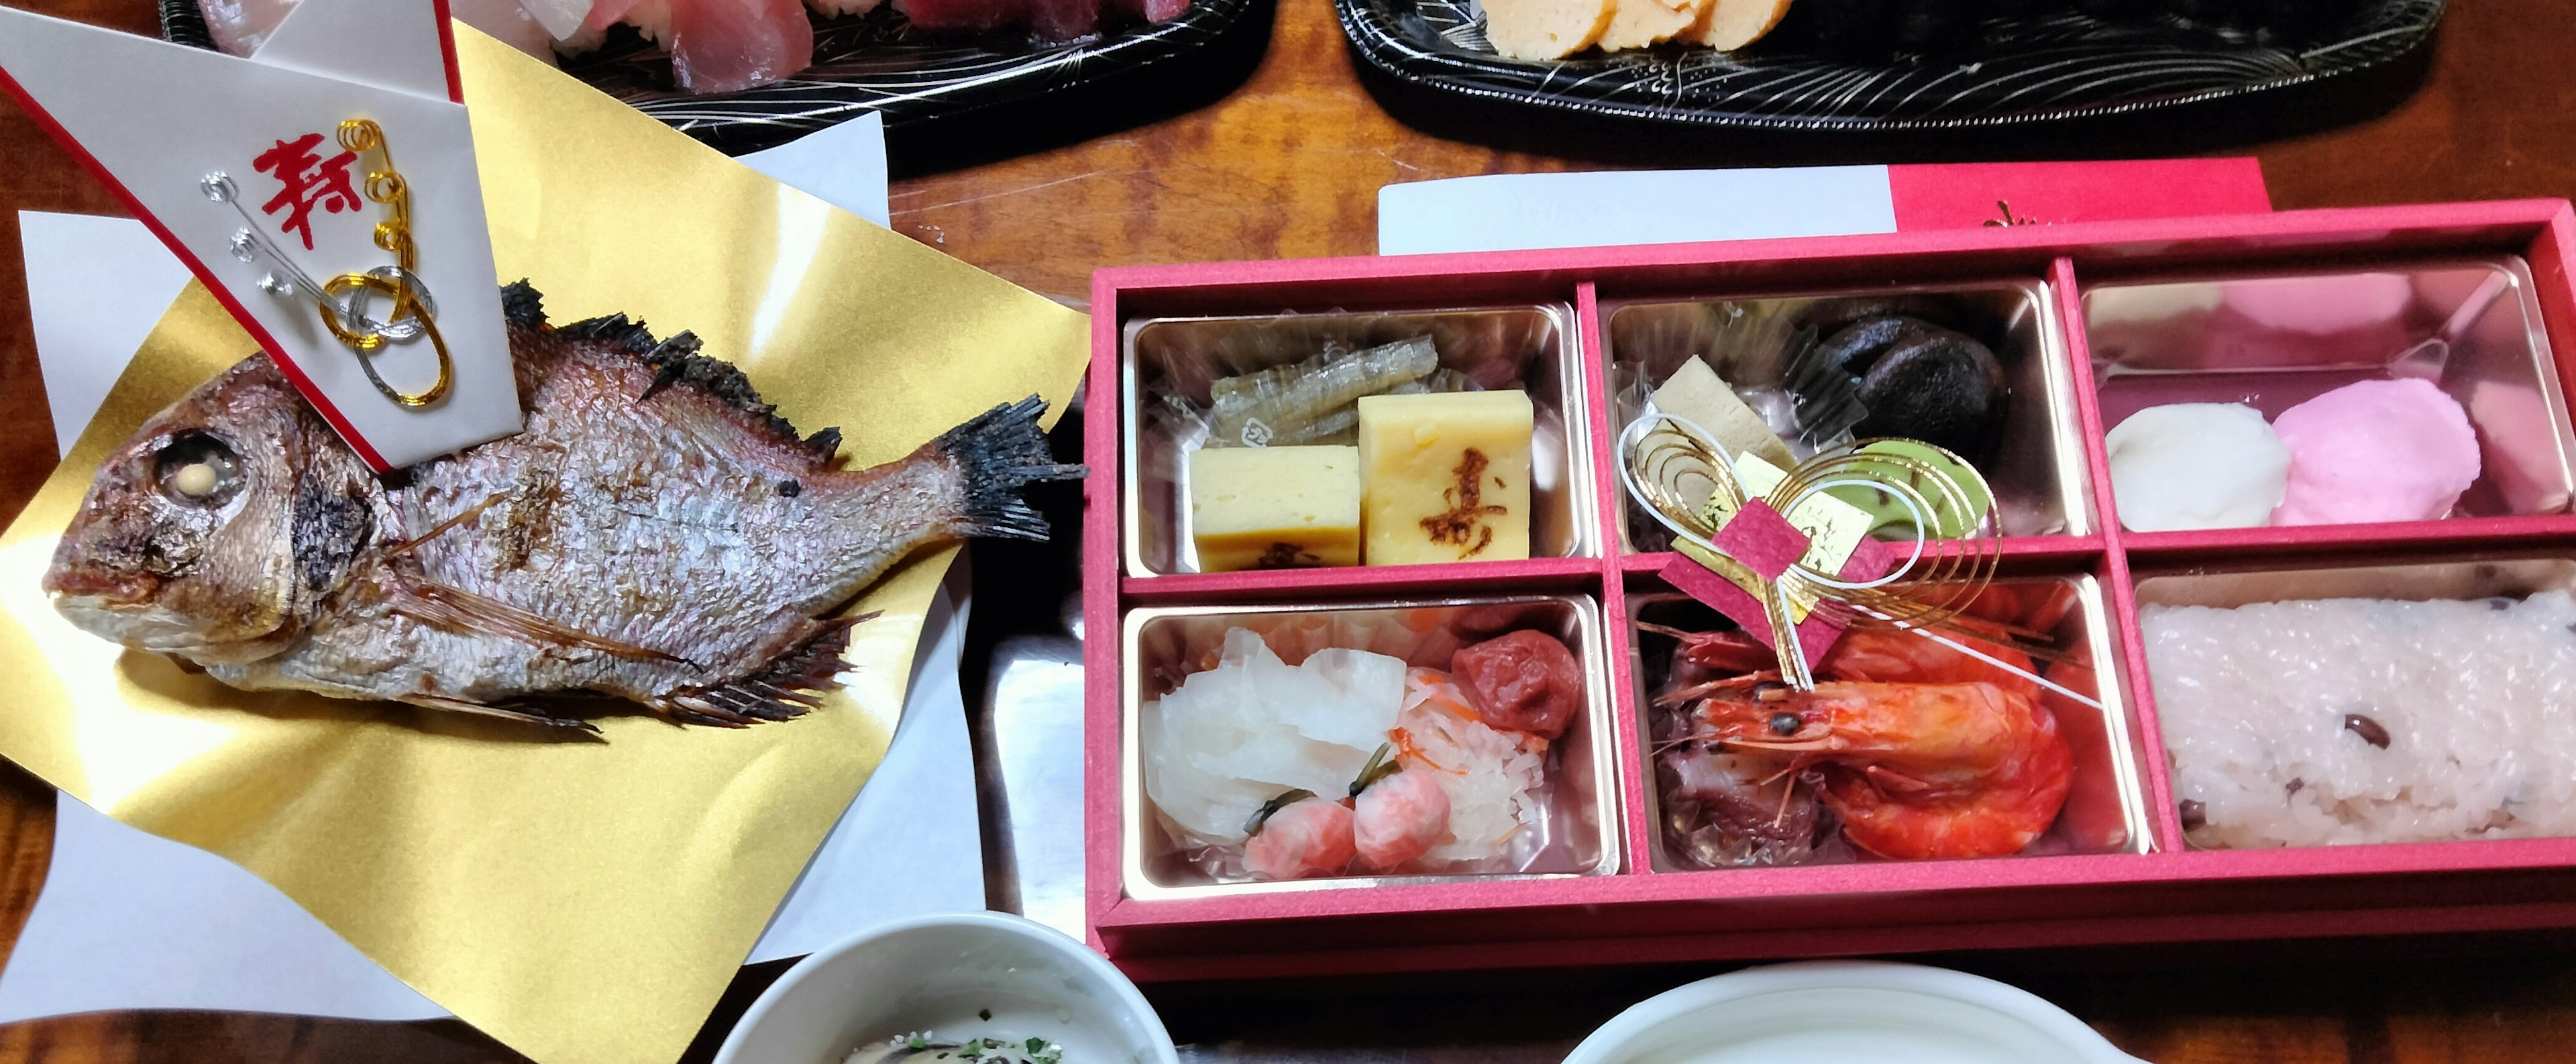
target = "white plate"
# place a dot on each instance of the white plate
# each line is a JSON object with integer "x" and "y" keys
{"x": 1830, "y": 1012}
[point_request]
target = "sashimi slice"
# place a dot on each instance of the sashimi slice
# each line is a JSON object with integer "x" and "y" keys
{"x": 1064, "y": 20}
{"x": 239, "y": 26}
{"x": 966, "y": 16}
{"x": 1149, "y": 10}
{"x": 730, "y": 45}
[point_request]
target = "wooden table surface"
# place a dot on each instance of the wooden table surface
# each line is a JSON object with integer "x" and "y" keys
{"x": 1287, "y": 164}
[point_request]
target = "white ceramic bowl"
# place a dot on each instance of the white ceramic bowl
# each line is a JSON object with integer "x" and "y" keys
{"x": 936, "y": 973}
{"x": 1830, "y": 1012}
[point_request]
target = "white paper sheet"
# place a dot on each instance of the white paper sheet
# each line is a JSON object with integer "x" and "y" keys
{"x": 162, "y": 120}
{"x": 128, "y": 920}
{"x": 909, "y": 844}
{"x": 1511, "y": 212}
{"x": 843, "y": 165}
{"x": 95, "y": 288}
{"x": 131, "y": 920}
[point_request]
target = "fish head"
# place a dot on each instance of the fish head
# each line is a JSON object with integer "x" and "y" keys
{"x": 187, "y": 542}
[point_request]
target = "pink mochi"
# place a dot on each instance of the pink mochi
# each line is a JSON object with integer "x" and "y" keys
{"x": 2397, "y": 450}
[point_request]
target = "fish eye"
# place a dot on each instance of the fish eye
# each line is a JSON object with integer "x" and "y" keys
{"x": 1785, "y": 723}
{"x": 197, "y": 468}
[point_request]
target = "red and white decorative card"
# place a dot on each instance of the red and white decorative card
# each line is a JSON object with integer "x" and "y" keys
{"x": 268, "y": 176}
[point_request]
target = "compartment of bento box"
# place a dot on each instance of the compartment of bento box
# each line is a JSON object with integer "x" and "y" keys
{"x": 1172, "y": 367}
{"x": 1720, "y": 806}
{"x": 2334, "y": 703}
{"x": 2338, "y": 396}
{"x": 1272, "y": 693}
{"x": 1806, "y": 363}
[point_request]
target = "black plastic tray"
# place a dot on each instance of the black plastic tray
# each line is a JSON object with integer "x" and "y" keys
{"x": 2029, "y": 69}
{"x": 872, "y": 62}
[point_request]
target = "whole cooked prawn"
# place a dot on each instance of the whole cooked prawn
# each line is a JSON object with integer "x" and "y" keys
{"x": 1872, "y": 654}
{"x": 1915, "y": 770}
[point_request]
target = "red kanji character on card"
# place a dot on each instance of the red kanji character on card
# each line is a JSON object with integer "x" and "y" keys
{"x": 311, "y": 181}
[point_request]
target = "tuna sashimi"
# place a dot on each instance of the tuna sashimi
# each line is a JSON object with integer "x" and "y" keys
{"x": 1064, "y": 20}
{"x": 966, "y": 16}
{"x": 1150, "y": 10}
{"x": 728, "y": 45}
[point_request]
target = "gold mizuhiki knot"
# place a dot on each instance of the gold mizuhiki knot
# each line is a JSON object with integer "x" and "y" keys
{"x": 1685, "y": 479}
{"x": 344, "y": 301}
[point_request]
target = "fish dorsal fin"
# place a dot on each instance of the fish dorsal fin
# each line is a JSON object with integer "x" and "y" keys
{"x": 678, "y": 361}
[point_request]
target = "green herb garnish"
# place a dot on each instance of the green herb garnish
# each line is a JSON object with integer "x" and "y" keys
{"x": 1379, "y": 767}
{"x": 1262, "y": 816}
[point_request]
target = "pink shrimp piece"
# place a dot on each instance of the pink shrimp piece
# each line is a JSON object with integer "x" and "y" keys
{"x": 1309, "y": 837}
{"x": 1398, "y": 819}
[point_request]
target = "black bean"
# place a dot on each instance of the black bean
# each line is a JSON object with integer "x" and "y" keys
{"x": 2297, "y": 782}
{"x": 2369, "y": 730}
{"x": 2195, "y": 814}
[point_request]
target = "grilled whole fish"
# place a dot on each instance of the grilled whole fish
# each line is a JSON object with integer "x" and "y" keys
{"x": 657, "y": 533}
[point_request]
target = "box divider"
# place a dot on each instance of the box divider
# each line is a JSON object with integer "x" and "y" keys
{"x": 1593, "y": 351}
{"x": 1102, "y": 608}
{"x": 2122, "y": 604}
{"x": 2551, "y": 255}
{"x": 1268, "y": 585}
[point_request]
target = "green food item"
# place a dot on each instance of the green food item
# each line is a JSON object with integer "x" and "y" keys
{"x": 1897, "y": 522}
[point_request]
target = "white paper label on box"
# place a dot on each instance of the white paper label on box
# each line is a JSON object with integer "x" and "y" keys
{"x": 155, "y": 121}
{"x": 1514, "y": 212}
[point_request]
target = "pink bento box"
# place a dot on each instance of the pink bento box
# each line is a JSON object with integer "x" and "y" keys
{"x": 1617, "y": 899}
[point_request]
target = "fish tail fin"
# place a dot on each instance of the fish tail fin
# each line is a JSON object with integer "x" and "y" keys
{"x": 999, "y": 452}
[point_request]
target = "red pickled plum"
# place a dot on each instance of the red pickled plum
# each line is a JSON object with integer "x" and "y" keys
{"x": 1525, "y": 681}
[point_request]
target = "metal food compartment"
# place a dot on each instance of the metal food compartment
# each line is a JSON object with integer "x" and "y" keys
{"x": 1532, "y": 345}
{"x": 1163, "y": 645}
{"x": 2457, "y": 578}
{"x": 2106, "y": 807}
{"x": 2273, "y": 340}
{"x": 2037, "y": 470}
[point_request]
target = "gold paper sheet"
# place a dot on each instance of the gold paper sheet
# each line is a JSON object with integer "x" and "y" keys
{"x": 582, "y": 901}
